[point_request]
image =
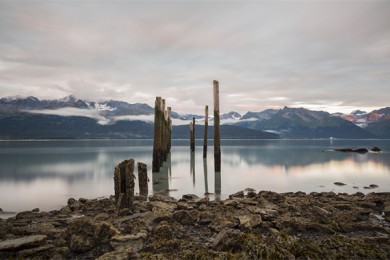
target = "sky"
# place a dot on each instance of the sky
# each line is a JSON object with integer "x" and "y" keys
{"x": 322, "y": 55}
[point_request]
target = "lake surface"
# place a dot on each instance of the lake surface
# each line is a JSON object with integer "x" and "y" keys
{"x": 45, "y": 174}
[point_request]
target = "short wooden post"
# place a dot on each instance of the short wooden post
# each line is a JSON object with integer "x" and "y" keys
{"x": 143, "y": 179}
{"x": 124, "y": 184}
{"x": 157, "y": 135}
{"x": 192, "y": 145}
{"x": 206, "y": 124}
{"x": 217, "y": 136}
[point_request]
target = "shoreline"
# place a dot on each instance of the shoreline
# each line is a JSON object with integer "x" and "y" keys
{"x": 246, "y": 225}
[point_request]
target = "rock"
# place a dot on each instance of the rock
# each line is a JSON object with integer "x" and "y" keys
{"x": 28, "y": 215}
{"x": 74, "y": 204}
{"x": 1, "y": 210}
{"x": 386, "y": 210}
{"x": 339, "y": 183}
{"x": 186, "y": 217}
{"x": 121, "y": 253}
{"x": 163, "y": 230}
{"x": 159, "y": 197}
{"x": 359, "y": 150}
{"x": 36, "y": 250}
{"x": 102, "y": 216}
{"x": 191, "y": 197}
{"x": 225, "y": 239}
{"x": 83, "y": 234}
{"x": 239, "y": 194}
{"x": 83, "y": 200}
{"x": 125, "y": 238}
{"x": 183, "y": 205}
{"x": 230, "y": 202}
{"x": 27, "y": 241}
{"x": 355, "y": 187}
{"x": 35, "y": 210}
{"x": 248, "y": 222}
{"x": 372, "y": 186}
{"x": 125, "y": 212}
{"x": 376, "y": 149}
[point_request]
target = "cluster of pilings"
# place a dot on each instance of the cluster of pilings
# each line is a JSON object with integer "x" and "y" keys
{"x": 217, "y": 135}
{"x": 124, "y": 183}
{"x": 162, "y": 134}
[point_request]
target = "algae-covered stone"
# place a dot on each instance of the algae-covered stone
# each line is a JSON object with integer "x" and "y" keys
{"x": 17, "y": 243}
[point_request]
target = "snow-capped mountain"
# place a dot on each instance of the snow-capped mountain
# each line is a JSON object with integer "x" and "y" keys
{"x": 363, "y": 119}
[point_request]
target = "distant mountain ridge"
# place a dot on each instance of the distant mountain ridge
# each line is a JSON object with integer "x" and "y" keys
{"x": 288, "y": 122}
{"x": 304, "y": 123}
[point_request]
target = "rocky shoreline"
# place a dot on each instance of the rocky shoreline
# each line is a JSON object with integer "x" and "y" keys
{"x": 248, "y": 225}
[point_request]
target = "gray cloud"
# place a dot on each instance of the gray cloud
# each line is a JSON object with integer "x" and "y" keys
{"x": 319, "y": 54}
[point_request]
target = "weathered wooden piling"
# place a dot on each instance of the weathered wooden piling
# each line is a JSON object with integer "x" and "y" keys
{"x": 157, "y": 142}
{"x": 143, "y": 179}
{"x": 217, "y": 136}
{"x": 192, "y": 139}
{"x": 206, "y": 124}
{"x": 163, "y": 133}
{"x": 169, "y": 128}
{"x": 124, "y": 184}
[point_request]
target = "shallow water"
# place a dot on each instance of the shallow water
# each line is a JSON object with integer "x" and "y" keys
{"x": 45, "y": 174}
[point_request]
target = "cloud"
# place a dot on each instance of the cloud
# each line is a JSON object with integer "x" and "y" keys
{"x": 264, "y": 54}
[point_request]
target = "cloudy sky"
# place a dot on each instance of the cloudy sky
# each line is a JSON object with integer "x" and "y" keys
{"x": 327, "y": 55}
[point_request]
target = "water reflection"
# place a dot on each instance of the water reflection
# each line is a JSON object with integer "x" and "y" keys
{"x": 206, "y": 183}
{"x": 46, "y": 174}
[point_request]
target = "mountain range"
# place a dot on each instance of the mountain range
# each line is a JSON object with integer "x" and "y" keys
{"x": 70, "y": 117}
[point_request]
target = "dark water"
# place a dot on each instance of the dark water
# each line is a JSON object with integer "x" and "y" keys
{"x": 45, "y": 174}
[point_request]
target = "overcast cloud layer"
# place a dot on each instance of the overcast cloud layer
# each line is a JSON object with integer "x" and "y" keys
{"x": 332, "y": 56}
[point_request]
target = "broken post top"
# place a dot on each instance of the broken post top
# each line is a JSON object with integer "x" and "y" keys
{"x": 216, "y": 95}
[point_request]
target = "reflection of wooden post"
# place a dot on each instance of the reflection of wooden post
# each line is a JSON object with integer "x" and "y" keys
{"x": 217, "y": 136}
{"x": 124, "y": 184}
{"x": 143, "y": 179}
{"x": 157, "y": 135}
{"x": 206, "y": 124}
{"x": 169, "y": 128}
{"x": 192, "y": 145}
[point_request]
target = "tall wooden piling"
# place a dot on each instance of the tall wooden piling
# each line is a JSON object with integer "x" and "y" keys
{"x": 206, "y": 124}
{"x": 124, "y": 184}
{"x": 217, "y": 136}
{"x": 143, "y": 179}
{"x": 192, "y": 144}
{"x": 157, "y": 135}
{"x": 169, "y": 128}
{"x": 163, "y": 133}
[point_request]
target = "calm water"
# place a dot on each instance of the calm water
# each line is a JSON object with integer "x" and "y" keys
{"x": 45, "y": 174}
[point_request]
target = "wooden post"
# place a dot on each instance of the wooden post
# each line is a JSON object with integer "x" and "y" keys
{"x": 124, "y": 184}
{"x": 169, "y": 128}
{"x": 157, "y": 135}
{"x": 163, "y": 127}
{"x": 166, "y": 135}
{"x": 217, "y": 136}
{"x": 143, "y": 179}
{"x": 192, "y": 145}
{"x": 206, "y": 124}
